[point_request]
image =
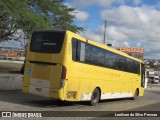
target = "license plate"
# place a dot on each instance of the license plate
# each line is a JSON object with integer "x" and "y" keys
{"x": 38, "y": 89}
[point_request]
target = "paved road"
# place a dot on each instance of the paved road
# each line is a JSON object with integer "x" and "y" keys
{"x": 16, "y": 100}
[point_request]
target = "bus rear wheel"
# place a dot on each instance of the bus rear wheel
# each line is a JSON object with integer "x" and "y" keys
{"x": 95, "y": 97}
{"x": 135, "y": 95}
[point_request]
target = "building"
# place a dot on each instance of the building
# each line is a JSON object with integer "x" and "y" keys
{"x": 134, "y": 52}
{"x": 12, "y": 53}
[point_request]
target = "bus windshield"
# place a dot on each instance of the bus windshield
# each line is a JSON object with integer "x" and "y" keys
{"x": 47, "y": 42}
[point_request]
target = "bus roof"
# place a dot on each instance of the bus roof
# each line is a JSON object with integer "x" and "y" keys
{"x": 92, "y": 42}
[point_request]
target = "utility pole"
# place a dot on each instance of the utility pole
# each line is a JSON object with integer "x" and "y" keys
{"x": 105, "y": 24}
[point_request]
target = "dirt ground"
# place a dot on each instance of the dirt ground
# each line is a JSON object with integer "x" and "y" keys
{"x": 10, "y": 68}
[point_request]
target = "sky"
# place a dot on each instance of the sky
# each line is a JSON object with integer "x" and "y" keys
{"x": 129, "y": 23}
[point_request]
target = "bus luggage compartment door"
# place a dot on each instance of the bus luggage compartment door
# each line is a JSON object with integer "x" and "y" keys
{"x": 44, "y": 77}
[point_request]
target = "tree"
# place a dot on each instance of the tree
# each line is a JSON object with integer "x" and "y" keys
{"x": 7, "y": 28}
{"x": 152, "y": 64}
{"x": 18, "y": 18}
{"x": 58, "y": 14}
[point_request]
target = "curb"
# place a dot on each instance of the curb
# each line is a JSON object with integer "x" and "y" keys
{"x": 11, "y": 82}
{"x": 9, "y": 61}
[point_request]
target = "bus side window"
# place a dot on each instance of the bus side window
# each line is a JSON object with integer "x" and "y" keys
{"x": 87, "y": 53}
{"x": 110, "y": 59}
{"x": 128, "y": 66}
{"x": 136, "y": 67}
{"x": 97, "y": 56}
{"x": 74, "y": 50}
{"x": 120, "y": 62}
{"x": 78, "y": 50}
{"x": 82, "y": 52}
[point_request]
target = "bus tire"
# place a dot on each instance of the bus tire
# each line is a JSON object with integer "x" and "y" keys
{"x": 95, "y": 97}
{"x": 135, "y": 95}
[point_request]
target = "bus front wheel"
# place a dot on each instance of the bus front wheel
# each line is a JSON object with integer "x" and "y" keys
{"x": 95, "y": 97}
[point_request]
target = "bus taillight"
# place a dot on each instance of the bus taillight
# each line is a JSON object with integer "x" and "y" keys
{"x": 63, "y": 76}
{"x": 64, "y": 71}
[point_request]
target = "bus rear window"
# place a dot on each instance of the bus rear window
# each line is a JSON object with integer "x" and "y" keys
{"x": 47, "y": 41}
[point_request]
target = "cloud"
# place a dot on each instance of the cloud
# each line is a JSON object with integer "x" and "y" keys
{"x": 103, "y": 3}
{"x": 112, "y": 36}
{"x": 81, "y": 15}
{"x": 127, "y": 25}
{"x": 137, "y": 2}
{"x": 126, "y": 44}
{"x": 140, "y": 23}
{"x": 139, "y": 44}
{"x": 137, "y": 23}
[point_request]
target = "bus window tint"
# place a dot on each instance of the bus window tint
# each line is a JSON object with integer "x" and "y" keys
{"x": 47, "y": 42}
{"x": 90, "y": 54}
{"x": 128, "y": 67}
{"x": 136, "y": 67}
{"x": 110, "y": 59}
{"x": 87, "y": 53}
{"x": 120, "y": 62}
{"x": 97, "y": 56}
{"x": 74, "y": 50}
{"x": 82, "y": 52}
{"x": 132, "y": 66}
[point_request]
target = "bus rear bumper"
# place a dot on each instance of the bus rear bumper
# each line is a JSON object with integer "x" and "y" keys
{"x": 56, "y": 94}
{"x": 45, "y": 92}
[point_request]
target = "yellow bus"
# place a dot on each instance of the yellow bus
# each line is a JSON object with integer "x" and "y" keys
{"x": 63, "y": 65}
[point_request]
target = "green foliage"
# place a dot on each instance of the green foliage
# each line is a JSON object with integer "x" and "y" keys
{"x": 7, "y": 26}
{"x": 29, "y": 15}
{"x": 57, "y": 13}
